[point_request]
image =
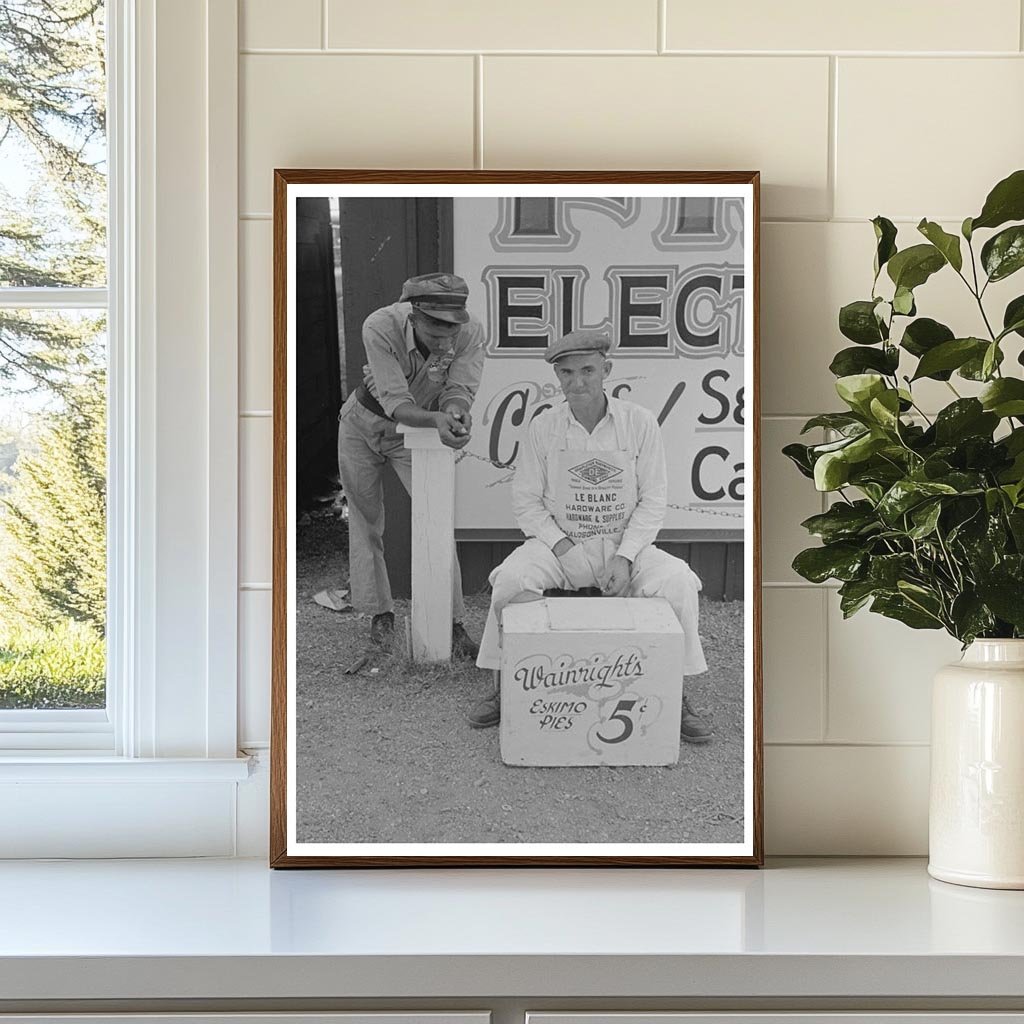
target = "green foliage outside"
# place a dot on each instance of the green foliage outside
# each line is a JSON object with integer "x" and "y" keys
{"x": 52, "y": 543}
{"x": 59, "y": 667}
{"x": 52, "y": 365}
{"x": 927, "y": 526}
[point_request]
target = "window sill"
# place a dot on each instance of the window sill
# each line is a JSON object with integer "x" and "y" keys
{"x": 76, "y": 766}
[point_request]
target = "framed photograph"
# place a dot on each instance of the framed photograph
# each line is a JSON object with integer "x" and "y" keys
{"x": 516, "y": 587}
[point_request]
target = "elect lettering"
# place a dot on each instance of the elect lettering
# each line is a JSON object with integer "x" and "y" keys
{"x": 697, "y": 311}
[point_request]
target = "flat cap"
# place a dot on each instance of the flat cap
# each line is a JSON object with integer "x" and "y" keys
{"x": 442, "y": 296}
{"x": 576, "y": 342}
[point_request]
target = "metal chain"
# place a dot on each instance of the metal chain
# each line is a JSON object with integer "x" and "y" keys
{"x": 700, "y": 509}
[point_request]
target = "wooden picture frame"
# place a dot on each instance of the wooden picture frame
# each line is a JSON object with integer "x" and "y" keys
{"x": 372, "y": 763}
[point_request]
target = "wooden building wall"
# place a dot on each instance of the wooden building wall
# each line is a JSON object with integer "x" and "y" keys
{"x": 317, "y": 362}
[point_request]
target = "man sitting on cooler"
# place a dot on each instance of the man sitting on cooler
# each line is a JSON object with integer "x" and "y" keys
{"x": 589, "y": 493}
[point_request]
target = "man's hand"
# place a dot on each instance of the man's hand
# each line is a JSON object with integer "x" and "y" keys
{"x": 451, "y": 430}
{"x": 461, "y": 415}
{"x": 615, "y": 578}
{"x": 576, "y": 566}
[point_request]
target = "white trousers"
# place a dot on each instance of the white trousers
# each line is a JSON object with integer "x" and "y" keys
{"x": 533, "y": 568}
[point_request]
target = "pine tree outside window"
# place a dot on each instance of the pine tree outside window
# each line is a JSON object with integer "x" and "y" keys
{"x": 53, "y": 368}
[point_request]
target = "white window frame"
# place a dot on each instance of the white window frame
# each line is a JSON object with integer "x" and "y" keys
{"x": 169, "y": 734}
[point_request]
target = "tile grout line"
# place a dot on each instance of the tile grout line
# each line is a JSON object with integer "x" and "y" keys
{"x": 831, "y": 171}
{"x": 323, "y": 24}
{"x": 662, "y": 41}
{"x": 854, "y": 744}
{"x": 1020, "y": 21}
{"x": 825, "y": 651}
{"x": 478, "y": 111}
{"x": 799, "y": 585}
{"x": 340, "y": 51}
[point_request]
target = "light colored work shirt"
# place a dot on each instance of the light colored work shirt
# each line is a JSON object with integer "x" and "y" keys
{"x": 400, "y": 373}
{"x": 533, "y": 488}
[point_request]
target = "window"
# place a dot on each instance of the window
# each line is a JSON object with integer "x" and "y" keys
{"x": 155, "y": 771}
{"x": 53, "y": 371}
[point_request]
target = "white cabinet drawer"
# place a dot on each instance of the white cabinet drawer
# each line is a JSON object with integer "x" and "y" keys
{"x": 775, "y": 1018}
{"x": 360, "y": 1017}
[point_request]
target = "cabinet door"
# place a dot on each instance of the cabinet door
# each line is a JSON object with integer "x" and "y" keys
{"x": 360, "y": 1017}
{"x": 790, "y": 1017}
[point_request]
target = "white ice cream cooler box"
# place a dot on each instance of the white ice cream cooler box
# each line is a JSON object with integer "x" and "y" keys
{"x": 591, "y": 681}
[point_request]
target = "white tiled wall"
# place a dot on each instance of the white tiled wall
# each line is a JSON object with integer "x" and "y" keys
{"x": 907, "y": 109}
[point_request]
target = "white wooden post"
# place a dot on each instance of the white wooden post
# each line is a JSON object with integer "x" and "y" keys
{"x": 433, "y": 543}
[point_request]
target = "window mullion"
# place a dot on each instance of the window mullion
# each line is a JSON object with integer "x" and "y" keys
{"x": 53, "y": 298}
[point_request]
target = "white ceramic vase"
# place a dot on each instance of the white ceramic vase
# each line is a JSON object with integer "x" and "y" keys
{"x": 976, "y": 813}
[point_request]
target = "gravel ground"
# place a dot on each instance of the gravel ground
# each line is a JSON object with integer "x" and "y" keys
{"x": 387, "y": 756}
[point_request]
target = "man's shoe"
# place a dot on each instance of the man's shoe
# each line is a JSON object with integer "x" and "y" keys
{"x": 693, "y": 728}
{"x": 487, "y": 712}
{"x": 382, "y": 628}
{"x": 463, "y": 646}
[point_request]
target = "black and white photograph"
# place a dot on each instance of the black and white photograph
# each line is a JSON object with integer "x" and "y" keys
{"x": 516, "y": 560}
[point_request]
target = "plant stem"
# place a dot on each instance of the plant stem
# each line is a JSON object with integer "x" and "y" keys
{"x": 954, "y": 568}
{"x": 924, "y": 415}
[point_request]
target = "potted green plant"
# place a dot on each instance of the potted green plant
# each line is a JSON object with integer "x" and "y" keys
{"x": 927, "y": 521}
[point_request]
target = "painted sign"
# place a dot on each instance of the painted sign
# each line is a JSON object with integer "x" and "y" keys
{"x": 665, "y": 275}
{"x": 590, "y": 681}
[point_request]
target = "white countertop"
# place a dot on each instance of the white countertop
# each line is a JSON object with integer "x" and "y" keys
{"x": 234, "y": 929}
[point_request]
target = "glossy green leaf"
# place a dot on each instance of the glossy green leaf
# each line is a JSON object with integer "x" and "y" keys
{"x": 854, "y": 594}
{"x": 923, "y": 335}
{"x": 964, "y": 481}
{"x": 1003, "y": 254}
{"x": 925, "y": 518}
{"x": 947, "y": 244}
{"x": 885, "y": 571}
{"x": 907, "y": 494}
{"x": 990, "y": 360}
{"x": 857, "y": 321}
{"x": 949, "y": 356}
{"x": 885, "y": 409}
{"x": 1005, "y": 597}
{"x": 899, "y": 608}
{"x": 831, "y": 471}
{"x": 840, "y": 421}
{"x": 971, "y": 616}
{"x": 817, "y": 450}
{"x": 858, "y": 389}
{"x": 885, "y": 237}
{"x": 839, "y": 561}
{"x": 912, "y": 267}
{"x": 974, "y": 368}
{"x": 1005, "y": 202}
{"x": 1015, "y": 519}
{"x": 903, "y": 302}
{"x": 1004, "y": 397}
{"x": 849, "y": 361}
{"x": 1013, "y": 317}
{"x": 842, "y": 521}
{"x": 964, "y": 418}
{"x": 965, "y": 229}
{"x": 994, "y": 499}
{"x": 864, "y": 447}
{"x": 799, "y": 455}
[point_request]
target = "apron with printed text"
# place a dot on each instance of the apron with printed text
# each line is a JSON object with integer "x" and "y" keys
{"x": 595, "y": 492}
